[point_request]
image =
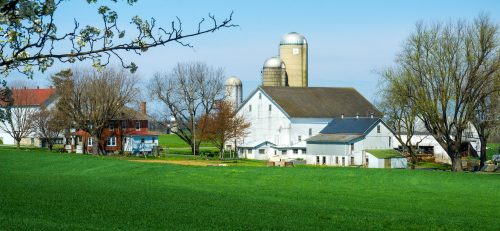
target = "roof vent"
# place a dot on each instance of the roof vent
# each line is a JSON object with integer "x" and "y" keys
{"x": 357, "y": 115}
{"x": 342, "y": 116}
{"x": 371, "y": 115}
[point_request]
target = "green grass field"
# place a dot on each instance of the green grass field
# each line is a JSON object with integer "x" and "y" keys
{"x": 49, "y": 191}
{"x": 173, "y": 141}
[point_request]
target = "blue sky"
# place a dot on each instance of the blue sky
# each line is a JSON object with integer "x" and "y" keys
{"x": 348, "y": 40}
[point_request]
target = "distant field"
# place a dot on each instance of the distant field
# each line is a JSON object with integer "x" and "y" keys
{"x": 48, "y": 191}
{"x": 492, "y": 150}
{"x": 173, "y": 141}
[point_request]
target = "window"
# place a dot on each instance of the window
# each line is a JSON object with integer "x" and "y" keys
{"x": 142, "y": 140}
{"x": 343, "y": 161}
{"x": 304, "y": 151}
{"x": 299, "y": 138}
{"x": 153, "y": 140}
{"x": 112, "y": 125}
{"x": 317, "y": 159}
{"x": 90, "y": 142}
{"x": 352, "y": 160}
{"x": 111, "y": 141}
{"x": 124, "y": 124}
{"x": 390, "y": 141}
{"x": 270, "y": 107}
{"x": 378, "y": 128}
{"x": 260, "y": 95}
{"x": 249, "y": 107}
{"x": 324, "y": 160}
{"x": 296, "y": 151}
{"x": 283, "y": 152}
{"x": 137, "y": 125}
{"x": 352, "y": 146}
{"x": 262, "y": 151}
{"x": 310, "y": 131}
{"x": 336, "y": 160}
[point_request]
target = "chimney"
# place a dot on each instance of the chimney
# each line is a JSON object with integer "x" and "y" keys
{"x": 143, "y": 108}
{"x": 50, "y": 87}
{"x": 37, "y": 87}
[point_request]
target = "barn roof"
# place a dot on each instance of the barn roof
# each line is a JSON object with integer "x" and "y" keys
{"x": 320, "y": 102}
{"x": 349, "y": 125}
{"x": 32, "y": 97}
{"x": 342, "y": 138}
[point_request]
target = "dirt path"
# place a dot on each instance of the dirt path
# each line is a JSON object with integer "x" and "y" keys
{"x": 181, "y": 162}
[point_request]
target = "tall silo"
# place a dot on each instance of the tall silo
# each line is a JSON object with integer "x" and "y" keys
{"x": 274, "y": 72}
{"x": 234, "y": 91}
{"x": 293, "y": 51}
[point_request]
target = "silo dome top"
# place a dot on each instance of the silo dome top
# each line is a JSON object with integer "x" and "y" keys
{"x": 293, "y": 38}
{"x": 274, "y": 62}
{"x": 233, "y": 81}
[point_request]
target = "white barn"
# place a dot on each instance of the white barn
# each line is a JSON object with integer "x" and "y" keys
{"x": 428, "y": 144}
{"x": 345, "y": 141}
{"x": 282, "y": 118}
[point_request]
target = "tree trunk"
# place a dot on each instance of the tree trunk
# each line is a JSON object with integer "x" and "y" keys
{"x": 482, "y": 157}
{"x": 18, "y": 144}
{"x": 456, "y": 163}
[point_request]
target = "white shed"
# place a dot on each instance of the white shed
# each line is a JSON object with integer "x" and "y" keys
{"x": 385, "y": 158}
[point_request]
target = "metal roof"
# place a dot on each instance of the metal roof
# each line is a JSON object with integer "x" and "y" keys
{"x": 293, "y": 38}
{"x": 341, "y": 138}
{"x": 320, "y": 102}
{"x": 233, "y": 81}
{"x": 274, "y": 62}
{"x": 350, "y": 125}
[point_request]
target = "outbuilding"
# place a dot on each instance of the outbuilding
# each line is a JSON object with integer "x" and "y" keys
{"x": 344, "y": 141}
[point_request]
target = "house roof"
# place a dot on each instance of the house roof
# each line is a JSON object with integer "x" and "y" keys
{"x": 350, "y": 125}
{"x": 141, "y": 133}
{"x": 256, "y": 144}
{"x": 320, "y": 102}
{"x": 32, "y": 97}
{"x": 131, "y": 114}
{"x": 340, "y": 138}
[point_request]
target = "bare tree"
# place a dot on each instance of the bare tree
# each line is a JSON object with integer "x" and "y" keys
{"x": 223, "y": 125}
{"x": 32, "y": 40}
{"x": 448, "y": 67}
{"x": 91, "y": 99}
{"x": 400, "y": 113}
{"x": 49, "y": 124}
{"x": 19, "y": 114}
{"x": 188, "y": 92}
{"x": 486, "y": 118}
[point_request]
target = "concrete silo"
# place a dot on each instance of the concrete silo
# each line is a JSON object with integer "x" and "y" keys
{"x": 234, "y": 91}
{"x": 274, "y": 72}
{"x": 293, "y": 51}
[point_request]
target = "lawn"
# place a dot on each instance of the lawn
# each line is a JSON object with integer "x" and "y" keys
{"x": 173, "y": 141}
{"x": 49, "y": 191}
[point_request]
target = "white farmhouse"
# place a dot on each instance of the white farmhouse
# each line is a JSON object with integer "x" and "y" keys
{"x": 26, "y": 102}
{"x": 346, "y": 141}
{"x": 282, "y": 118}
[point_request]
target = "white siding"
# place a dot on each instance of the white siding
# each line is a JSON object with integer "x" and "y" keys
{"x": 274, "y": 126}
